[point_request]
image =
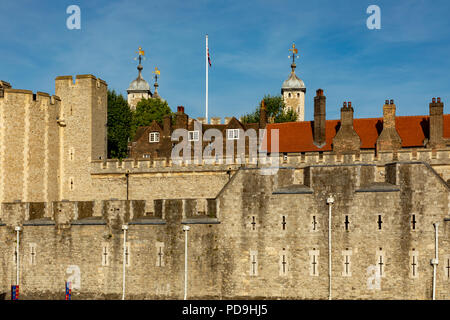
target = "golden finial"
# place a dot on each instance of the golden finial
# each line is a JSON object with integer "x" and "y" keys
{"x": 156, "y": 72}
{"x": 293, "y": 56}
{"x": 141, "y": 54}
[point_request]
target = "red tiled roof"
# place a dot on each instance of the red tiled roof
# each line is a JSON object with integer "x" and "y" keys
{"x": 298, "y": 136}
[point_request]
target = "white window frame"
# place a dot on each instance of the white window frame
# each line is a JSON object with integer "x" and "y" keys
{"x": 153, "y": 137}
{"x": 233, "y": 134}
{"x": 193, "y": 135}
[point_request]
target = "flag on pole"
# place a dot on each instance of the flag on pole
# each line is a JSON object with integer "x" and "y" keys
{"x": 209, "y": 58}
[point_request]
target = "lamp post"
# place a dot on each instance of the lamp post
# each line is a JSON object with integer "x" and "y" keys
{"x": 18, "y": 229}
{"x": 185, "y": 229}
{"x": 124, "y": 228}
{"x": 330, "y": 201}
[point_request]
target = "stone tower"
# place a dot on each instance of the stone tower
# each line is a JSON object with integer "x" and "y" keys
{"x": 83, "y": 132}
{"x": 293, "y": 90}
{"x": 139, "y": 89}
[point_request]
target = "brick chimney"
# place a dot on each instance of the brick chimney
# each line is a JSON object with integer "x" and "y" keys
{"x": 319, "y": 118}
{"x": 346, "y": 139}
{"x": 262, "y": 115}
{"x": 181, "y": 119}
{"x": 167, "y": 125}
{"x": 389, "y": 139}
{"x": 436, "y": 139}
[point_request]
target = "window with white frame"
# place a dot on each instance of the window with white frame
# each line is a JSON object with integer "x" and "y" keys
{"x": 153, "y": 137}
{"x": 233, "y": 134}
{"x": 193, "y": 135}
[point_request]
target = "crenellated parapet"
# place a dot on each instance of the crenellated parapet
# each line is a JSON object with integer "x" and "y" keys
{"x": 65, "y": 214}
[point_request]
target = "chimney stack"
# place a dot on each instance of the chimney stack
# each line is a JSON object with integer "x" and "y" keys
{"x": 262, "y": 115}
{"x": 389, "y": 139}
{"x": 319, "y": 119}
{"x": 346, "y": 139}
{"x": 181, "y": 119}
{"x": 436, "y": 138}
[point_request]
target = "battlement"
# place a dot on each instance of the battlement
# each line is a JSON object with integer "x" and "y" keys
{"x": 114, "y": 166}
{"x": 79, "y": 80}
{"x": 112, "y": 213}
{"x": 64, "y": 214}
{"x": 28, "y": 95}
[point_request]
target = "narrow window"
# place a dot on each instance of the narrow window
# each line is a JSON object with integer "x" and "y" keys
{"x": 105, "y": 255}
{"x": 154, "y": 137}
{"x": 447, "y": 266}
{"x": 413, "y": 222}
{"x": 346, "y": 223}
{"x": 379, "y": 222}
{"x": 283, "y": 263}
{"x": 314, "y": 262}
{"x": 253, "y": 223}
{"x": 298, "y": 95}
{"x": 380, "y": 262}
{"x": 314, "y": 223}
{"x": 71, "y": 184}
{"x": 71, "y": 154}
{"x": 347, "y": 263}
{"x": 414, "y": 263}
{"x": 160, "y": 254}
{"x": 127, "y": 255}
{"x": 289, "y": 94}
{"x": 283, "y": 223}
{"x": 253, "y": 263}
{"x": 32, "y": 254}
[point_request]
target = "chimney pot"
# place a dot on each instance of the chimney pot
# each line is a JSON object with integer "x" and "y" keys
{"x": 386, "y": 102}
{"x": 438, "y": 99}
{"x": 345, "y": 104}
{"x": 392, "y": 101}
{"x": 180, "y": 109}
{"x": 434, "y": 100}
{"x": 319, "y": 92}
{"x": 349, "y": 104}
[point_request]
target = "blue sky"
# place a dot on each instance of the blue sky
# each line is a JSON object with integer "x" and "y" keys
{"x": 406, "y": 60}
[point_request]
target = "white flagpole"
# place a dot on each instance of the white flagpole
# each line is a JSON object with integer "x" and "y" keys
{"x": 206, "y": 56}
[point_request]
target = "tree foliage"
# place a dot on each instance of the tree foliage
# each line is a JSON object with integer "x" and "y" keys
{"x": 275, "y": 109}
{"x": 148, "y": 110}
{"x": 119, "y": 122}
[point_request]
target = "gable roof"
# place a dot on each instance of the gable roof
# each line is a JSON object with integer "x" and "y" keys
{"x": 298, "y": 136}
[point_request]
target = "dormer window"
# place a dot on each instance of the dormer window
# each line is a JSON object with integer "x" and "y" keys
{"x": 154, "y": 137}
{"x": 193, "y": 135}
{"x": 233, "y": 134}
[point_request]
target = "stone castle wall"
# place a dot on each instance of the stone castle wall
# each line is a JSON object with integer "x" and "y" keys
{"x": 29, "y": 146}
{"x": 264, "y": 216}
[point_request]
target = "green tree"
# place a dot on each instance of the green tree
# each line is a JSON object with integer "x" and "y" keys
{"x": 275, "y": 108}
{"x": 148, "y": 110}
{"x": 119, "y": 122}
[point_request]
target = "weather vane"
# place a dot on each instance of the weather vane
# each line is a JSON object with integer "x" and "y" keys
{"x": 294, "y": 52}
{"x": 157, "y": 73}
{"x": 141, "y": 55}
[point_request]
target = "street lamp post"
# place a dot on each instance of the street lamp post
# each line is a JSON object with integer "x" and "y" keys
{"x": 124, "y": 228}
{"x": 330, "y": 201}
{"x": 185, "y": 229}
{"x": 18, "y": 229}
